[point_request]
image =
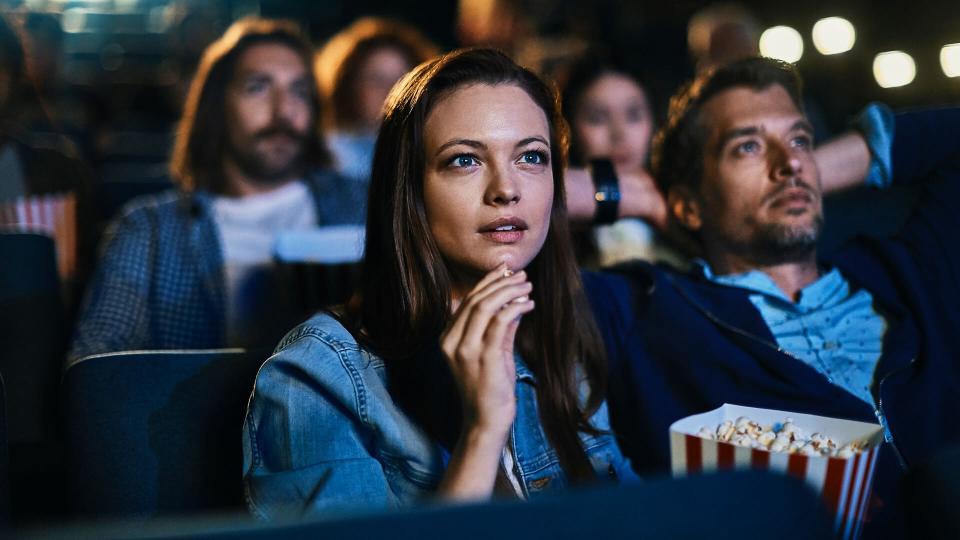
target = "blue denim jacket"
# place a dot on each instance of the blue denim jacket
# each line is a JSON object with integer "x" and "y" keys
{"x": 323, "y": 432}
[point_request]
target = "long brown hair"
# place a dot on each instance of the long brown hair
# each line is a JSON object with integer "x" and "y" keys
{"x": 339, "y": 61}
{"x": 197, "y": 160}
{"x": 403, "y": 302}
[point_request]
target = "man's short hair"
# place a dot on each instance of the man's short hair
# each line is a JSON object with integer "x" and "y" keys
{"x": 678, "y": 148}
{"x": 197, "y": 161}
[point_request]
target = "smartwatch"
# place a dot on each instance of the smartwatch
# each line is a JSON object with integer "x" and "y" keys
{"x": 606, "y": 191}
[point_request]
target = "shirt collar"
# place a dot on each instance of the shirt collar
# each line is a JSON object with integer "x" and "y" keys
{"x": 827, "y": 289}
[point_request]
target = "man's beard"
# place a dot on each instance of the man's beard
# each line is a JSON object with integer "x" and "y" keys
{"x": 778, "y": 243}
{"x": 259, "y": 167}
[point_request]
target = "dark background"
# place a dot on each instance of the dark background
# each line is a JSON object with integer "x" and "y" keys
{"x": 125, "y": 64}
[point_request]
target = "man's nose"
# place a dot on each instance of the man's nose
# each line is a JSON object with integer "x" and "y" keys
{"x": 284, "y": 106}
{"x": 784, "y": 163}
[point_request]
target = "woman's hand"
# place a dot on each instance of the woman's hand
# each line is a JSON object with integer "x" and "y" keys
{"x": 478, "y": 346}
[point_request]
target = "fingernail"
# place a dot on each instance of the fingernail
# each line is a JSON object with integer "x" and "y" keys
{"x": 519, "y": 299}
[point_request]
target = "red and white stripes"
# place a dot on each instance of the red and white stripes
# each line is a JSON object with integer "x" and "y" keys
{"x": 53, "y": 215}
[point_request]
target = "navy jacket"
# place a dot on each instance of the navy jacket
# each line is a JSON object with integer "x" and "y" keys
{"x": 679, "y": 344}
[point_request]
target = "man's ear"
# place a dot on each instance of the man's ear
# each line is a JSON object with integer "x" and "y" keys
{"x": 684, "y": 206}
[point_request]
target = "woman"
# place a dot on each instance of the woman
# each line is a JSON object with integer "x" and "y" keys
{"x": 467, "y": 364}
{"x": 355, "y": 71}
{"x": 610, "y": 117}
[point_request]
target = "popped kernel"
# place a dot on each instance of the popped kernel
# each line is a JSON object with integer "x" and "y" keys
{"x": 780, "y": 437}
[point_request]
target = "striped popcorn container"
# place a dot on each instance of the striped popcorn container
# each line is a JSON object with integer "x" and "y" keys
{"x": 843, "y": 483}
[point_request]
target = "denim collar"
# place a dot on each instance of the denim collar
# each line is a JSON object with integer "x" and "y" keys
{"x": 523, "y": 372}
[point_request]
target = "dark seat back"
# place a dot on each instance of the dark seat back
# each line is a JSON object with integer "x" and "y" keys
{"x": 4, "y": 460}
{"x": 33, "y": 336}
{"x": 33, "y": 341}
{"x": 153, "y": 433}
{"x": 723, "y": 506}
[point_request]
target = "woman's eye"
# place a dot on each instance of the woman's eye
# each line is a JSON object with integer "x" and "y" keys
{"x": 534, "y": 157}
{"x": 463, "y": 160}
{"x": 595, "y": 116}
{"x": 254, "y": 87}
{"x": 635, "y": 115}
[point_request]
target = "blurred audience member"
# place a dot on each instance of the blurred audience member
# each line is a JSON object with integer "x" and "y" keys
{"x": 722, "y": 33}
{"x": 41, "y": 189}
{"x": 356, "y": 70}
{"x": 610, "y": 118}
{"x": 193, "y": 268}
{"x": 513, "y": 26}
{"x": 58, "y": 118}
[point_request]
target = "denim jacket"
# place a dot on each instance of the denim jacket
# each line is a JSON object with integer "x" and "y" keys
{"x": 322, "y": 432}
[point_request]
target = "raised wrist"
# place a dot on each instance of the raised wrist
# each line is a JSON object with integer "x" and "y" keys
{"x": 606, "y": 191}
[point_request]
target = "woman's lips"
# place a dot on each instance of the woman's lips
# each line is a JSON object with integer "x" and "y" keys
{"x": 504, "y": 230}
{"x": 504, "y": 237}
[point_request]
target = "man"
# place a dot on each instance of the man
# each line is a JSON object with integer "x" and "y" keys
{"x": 193, "y": 268}
{"x": 868, "y": 333}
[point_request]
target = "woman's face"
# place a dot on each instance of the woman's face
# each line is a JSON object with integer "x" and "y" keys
{"x": 613, "y": 121}
{"x": 379, "y": 72}
{"x": 488, "y": 181}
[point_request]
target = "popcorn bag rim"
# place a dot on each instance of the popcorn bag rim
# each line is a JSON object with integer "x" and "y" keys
{"x": 842, "y": 431}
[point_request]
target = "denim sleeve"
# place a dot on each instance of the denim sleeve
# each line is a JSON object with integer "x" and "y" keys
{"x": 876, "y": 124}
{"x": 305, "y": 441}
{"x": 114, "y": 315}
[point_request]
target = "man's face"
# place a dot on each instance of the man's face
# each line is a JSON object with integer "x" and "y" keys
{"x": 760, "y": 195}
{"x": 268, "y": 113}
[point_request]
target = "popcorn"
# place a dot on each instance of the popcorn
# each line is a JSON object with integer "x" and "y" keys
{"x": 843, "y": 474}
{"x": 779, "y": 437}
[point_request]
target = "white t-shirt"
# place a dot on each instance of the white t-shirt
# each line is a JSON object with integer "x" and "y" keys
{"x": 248, "y": 228}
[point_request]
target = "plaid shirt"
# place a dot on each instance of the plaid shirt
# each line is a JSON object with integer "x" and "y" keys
{"x": 159, "y": 282}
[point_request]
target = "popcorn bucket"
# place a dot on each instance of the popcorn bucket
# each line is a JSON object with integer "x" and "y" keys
{"x": 843, "y": 483}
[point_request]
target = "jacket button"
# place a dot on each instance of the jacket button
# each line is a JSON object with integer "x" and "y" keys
{"x": 539, "y": 483}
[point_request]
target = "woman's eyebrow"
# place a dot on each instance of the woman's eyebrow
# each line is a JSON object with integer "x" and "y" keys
{"x": 479, "y": 145}
{"x": 535, "y": 138}
{"x": 454, "y": 142}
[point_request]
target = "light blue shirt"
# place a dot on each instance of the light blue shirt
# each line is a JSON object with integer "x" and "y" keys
{"x": 832, "y": 328}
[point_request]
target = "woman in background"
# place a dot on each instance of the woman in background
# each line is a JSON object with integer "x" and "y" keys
{"x": 468, "y": 364}
{"x": 355, "y": 71}
{"x": 610, "y": 117}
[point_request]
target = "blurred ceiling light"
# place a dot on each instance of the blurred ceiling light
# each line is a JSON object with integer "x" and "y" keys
{"x": 74, "y": 20}
{"x": 833, "y": 35}
{"x": 126, "y": 6}
{"x": 781, "y": 42}
{"x": 950, "y": 60}
{"x": 894, "y": 68}
{"x": 160, "y": 19}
